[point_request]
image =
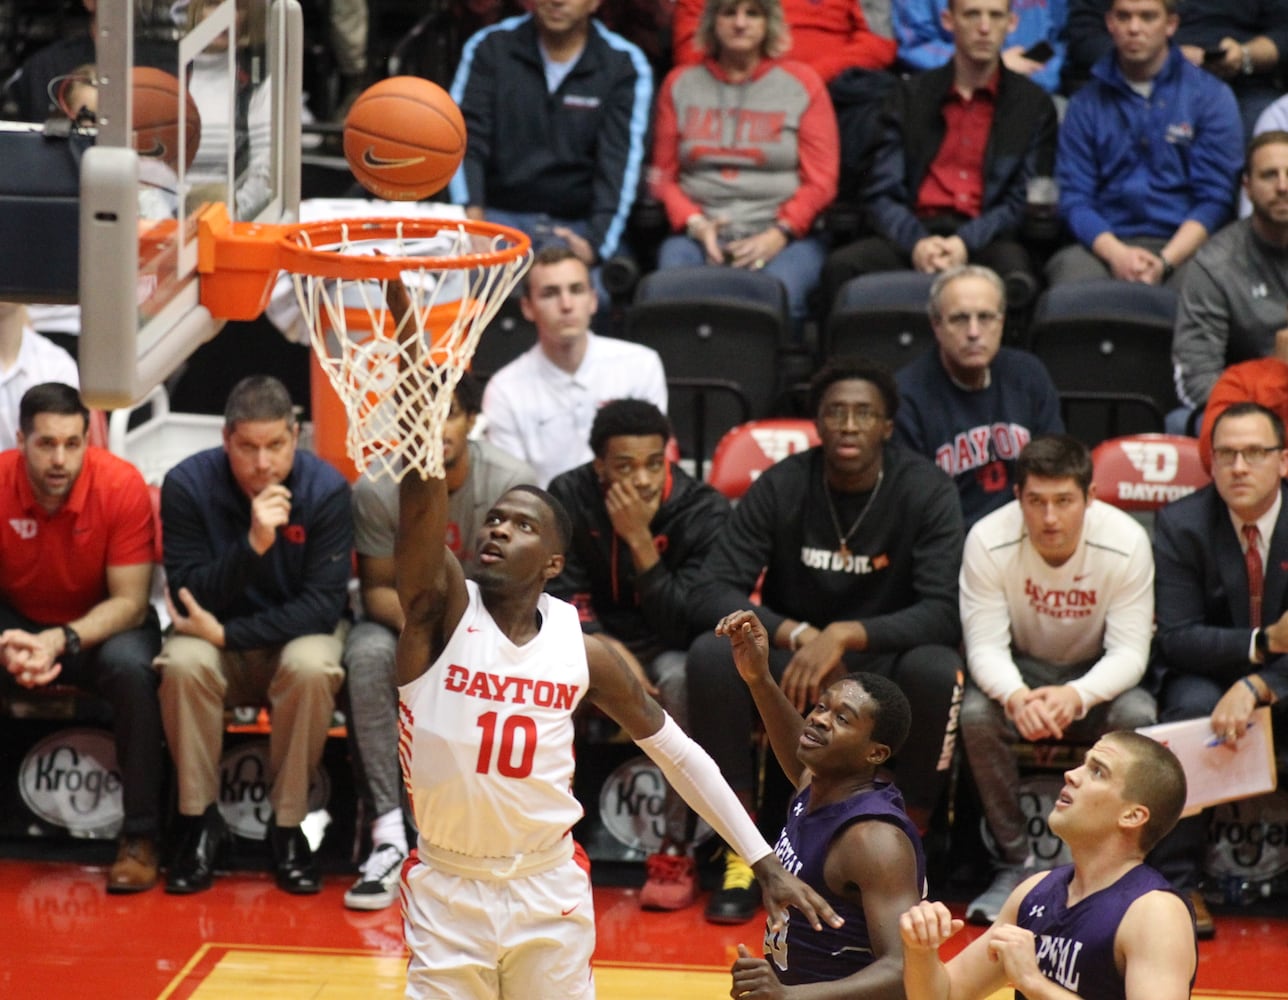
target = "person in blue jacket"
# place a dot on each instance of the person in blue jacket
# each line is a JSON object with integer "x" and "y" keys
{"x": 1148, "y": 157}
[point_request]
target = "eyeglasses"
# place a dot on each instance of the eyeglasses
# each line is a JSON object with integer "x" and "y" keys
{"x": 962, "y": 320}
{"x": 864, "y": 417}
{"x": 1252, "y": 455}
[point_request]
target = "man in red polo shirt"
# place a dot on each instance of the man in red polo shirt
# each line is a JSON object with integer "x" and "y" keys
{"x": 76, "y": 560}
{"x": 946, "y": 187}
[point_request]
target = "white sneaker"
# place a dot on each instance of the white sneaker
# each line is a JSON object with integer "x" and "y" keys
{"x": 985, "y": 907}
{"x": 377, "y": 885}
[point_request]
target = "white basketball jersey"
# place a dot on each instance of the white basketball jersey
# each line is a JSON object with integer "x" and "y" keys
{"x": 486, "y": 735}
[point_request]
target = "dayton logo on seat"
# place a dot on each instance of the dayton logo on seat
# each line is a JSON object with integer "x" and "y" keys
{"x": 1158, "y": 463}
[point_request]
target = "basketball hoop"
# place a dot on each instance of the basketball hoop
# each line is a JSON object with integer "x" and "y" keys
{"x": 395, "y": 375}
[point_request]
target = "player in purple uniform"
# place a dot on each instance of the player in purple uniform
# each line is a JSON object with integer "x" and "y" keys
{"x": 847, "y": 834}
{"x": 1108, "y": 926}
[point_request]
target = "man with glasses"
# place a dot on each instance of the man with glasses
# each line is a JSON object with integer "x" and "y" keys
{"x": 860, "y": 546}
{"x": 1057, "y": 606}
{"x": 1222, "y": 594}
{"x": 969, "y": 403}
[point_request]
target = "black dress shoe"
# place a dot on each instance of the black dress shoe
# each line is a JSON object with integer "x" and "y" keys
{"x": 294, "y": 866}
{"x": 200, "y": 844}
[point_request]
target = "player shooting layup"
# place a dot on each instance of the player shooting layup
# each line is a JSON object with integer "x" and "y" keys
{"x": 490, "y": 671}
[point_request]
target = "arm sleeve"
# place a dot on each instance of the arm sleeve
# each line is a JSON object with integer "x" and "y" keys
{"x": 664, "y": 179}
{"x": 620, "y": 155}
{"x": 818, "y": 156}
{"x": 1128, "y": 626}
{"x": 693, "y": 774}
{"x": 133, "y": 538}
{"x": 502, "y": 420}
{"x": 1201, "y": 337}
{"x": 1216, "y": 159}
{"x": 923, "y": 42}
{"x": 474, "y": 91}
{"x": 1088, "y": 38}
{"x": 664, "y": 592}
{"x": 986, "y": 623}
{"x": 1075, "y": 170}
{"x": 886, "y": 196}
{"x": 1275, "y": 27}
{"x": 684, "y": 26}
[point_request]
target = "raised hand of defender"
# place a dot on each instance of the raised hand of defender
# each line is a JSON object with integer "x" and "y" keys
{"x": 927, "y": 925}
{"x": 748, "y": 642}
{"x": 782, "y": 890}
{"x": 753, "y": 979}
{"x": 269, "y": 510}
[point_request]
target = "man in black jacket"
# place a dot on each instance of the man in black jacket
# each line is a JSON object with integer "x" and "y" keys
{"x": 949, "y": 178}
{"x": 645, "y": 530}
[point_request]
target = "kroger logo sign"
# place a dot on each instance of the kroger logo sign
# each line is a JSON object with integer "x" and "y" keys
{"x": 70, "y": 779}
{"x": 244, "y": 785}
{"x": 632, "y": 806}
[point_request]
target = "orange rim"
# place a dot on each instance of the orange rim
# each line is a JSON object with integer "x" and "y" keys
{"x": 303, "y": 247}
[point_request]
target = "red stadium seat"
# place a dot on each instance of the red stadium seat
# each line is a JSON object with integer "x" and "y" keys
{"x": 749, "y": 449}
{"x": 1143, "y": 472}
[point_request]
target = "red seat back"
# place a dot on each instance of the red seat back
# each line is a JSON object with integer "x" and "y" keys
{"x": 1147, "y": 471}
{"x": 749, "y": 449}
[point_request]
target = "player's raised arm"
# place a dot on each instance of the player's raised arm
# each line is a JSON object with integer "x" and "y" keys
{"x": 614, "y": 689}
{"x": 429, "y": 580}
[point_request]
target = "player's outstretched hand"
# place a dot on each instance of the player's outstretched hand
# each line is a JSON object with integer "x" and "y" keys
{"x": 748, "y": 642}
{"x": 782, "y": 890}
{"x": 753, "y": 979}
{"x": 927, "y": 925}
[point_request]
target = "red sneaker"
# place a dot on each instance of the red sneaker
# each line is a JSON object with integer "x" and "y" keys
{"x": 672, "y": 882}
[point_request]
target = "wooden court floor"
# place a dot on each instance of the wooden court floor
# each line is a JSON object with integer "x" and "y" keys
{"x": 64, "y": 937}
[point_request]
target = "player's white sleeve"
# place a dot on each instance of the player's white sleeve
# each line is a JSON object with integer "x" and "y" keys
{"x": 693, "y": 774}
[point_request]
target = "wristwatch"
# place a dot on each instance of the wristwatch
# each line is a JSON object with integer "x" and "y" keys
{"x": 71, "y": 641}
{"x": 1247, "y": 68}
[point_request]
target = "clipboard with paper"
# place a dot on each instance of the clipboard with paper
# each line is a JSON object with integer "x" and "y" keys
{"x": 1218, "y": 772}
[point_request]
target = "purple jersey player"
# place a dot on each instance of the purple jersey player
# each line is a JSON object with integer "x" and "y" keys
{"x": 847, "y": 835}
{"x": 1108, "y": 926}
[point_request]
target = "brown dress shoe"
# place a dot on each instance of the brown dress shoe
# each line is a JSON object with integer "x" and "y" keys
{"x": 1204, "y": 926}
{"x": 135, "y": 868}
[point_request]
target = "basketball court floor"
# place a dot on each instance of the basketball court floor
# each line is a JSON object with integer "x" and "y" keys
{"x": 65, "y": 937}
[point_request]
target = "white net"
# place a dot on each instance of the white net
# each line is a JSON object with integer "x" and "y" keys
{"x": 395, "y": 374}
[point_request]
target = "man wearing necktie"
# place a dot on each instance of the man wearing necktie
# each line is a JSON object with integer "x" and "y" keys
{"x": 1221, "y": 591}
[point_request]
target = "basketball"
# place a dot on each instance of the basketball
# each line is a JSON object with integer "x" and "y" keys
{"x": 155, "y": 96}
{"x": 404, "y": 138}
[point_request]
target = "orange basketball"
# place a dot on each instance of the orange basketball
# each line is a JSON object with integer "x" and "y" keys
{"x": 155, "y": 94}
{"x": 404, "y": 138}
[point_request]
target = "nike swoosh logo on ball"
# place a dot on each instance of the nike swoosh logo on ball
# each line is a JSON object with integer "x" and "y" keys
{"x": 370, "y": 159}
{"x": 157, "y": 150}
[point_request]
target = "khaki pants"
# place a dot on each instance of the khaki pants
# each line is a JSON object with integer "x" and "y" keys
{"x": 298, "y": 681}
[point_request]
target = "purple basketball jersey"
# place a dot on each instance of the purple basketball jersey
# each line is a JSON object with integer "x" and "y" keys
{"x": 798, "y": 953}
{"x": 1075, "y": 944}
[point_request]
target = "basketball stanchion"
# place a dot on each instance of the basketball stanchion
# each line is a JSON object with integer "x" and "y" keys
{"x": 384, "y": 368}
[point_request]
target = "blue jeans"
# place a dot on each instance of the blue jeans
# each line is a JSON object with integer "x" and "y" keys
{"x": 797, "y": 266}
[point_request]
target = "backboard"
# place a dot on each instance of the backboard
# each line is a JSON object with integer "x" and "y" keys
{"x": 239, "y": 61}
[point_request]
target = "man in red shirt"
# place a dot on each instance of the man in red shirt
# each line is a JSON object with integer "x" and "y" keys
{"x": 946, "y": 187}
{"x": 76, "y": 557}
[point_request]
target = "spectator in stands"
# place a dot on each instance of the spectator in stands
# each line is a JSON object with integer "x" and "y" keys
{"x": 644, "y": 532}
{"x": 846, "y": 42}
{"x": 26, "y": 359}
{"x": 540, "y": 406}
{"x": 348, "y": 21}
{"x": 556, "y": 108}
{"x": 477, "y": 473}
{"x": 75, "y": 573}
{"x": 860, "y": 546}
{"x": 745, "y": 152}
{"x": 1087, "y": 41}
{"x": 1144, "y": 180}
{"x": 1234, "y": 303}
{"x": 1057, "y": 603}
{"x": 1222, "y": 603}
{"x": 926, "y": 40}
{"x": 1264, "y": 381}
{"x": 258, "y": 548}
{"x": 969, "y": 403}
{"x": 958, "y": 147}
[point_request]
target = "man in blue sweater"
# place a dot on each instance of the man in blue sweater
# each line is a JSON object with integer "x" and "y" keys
{"x": 970, "y": 404}
{"x": 1150, "y": 150}
{"x": 258, "y": 550}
